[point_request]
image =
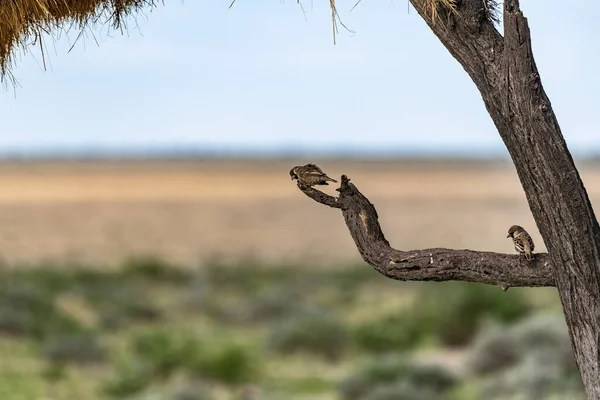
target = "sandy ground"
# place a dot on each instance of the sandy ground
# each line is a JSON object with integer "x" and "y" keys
{"x": 189, "y": 211}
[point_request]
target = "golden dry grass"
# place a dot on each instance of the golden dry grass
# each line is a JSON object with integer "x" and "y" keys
{"x": 189, "y": 211}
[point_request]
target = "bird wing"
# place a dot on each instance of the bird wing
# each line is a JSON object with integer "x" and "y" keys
{"x": 313, "y": 169}
{"x": 530, "y": 243}
{"x": 525, "y": 242}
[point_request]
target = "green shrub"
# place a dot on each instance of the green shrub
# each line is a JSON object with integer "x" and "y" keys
{"x": 404, "y": 391}
{"x": 196, "y": 294}
{"x": 122, "y": 304}
{"x": 546, "y": 333}
{"x": 453, "y": 310}
{"x": 400, "y": 331}
{"x": 397, "y": 376}
{"x": 153, "y": 269}
{"x": 382, "y": 372}
{"x": 499, "y": 347}
{"x": 27, "y": 310}
{"x": 450, "y": 312}
{"x": 269, "y": 305}
{"x": 129, "y": 379}
{"x": 245, "y": 278}
{"x": 493, "y": 350}
{"x": 533, "y": 377}
{"x": 232, "y": 364}
{"x": 164, "y": 352}
{"x": 131, "y": 310}
{"x": 542, "y": 365}
{"x": 45, "y": 278}
{"x": 249, "y": 277}
{"x": 54, "y": 372}
{"x": 313, "y": 331}
{"x": 81, "y": 348}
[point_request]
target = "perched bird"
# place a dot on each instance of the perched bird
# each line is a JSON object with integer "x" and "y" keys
{"x": 310, "y": 175}
{"x": 522, "y": 241}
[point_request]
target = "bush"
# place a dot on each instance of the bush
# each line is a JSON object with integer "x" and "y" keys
{"x": 271, "y": 305}
{"x": 499, "y": 347}
{"x": 264, "y": 306}
{"x": 404, "y": 391}
{"x": 74, "y": 348}
{"x": 164, "y": 352}
{"x": 123, "y": 304}
{"x": 130, "y": 378}
{"x": 45, "y": 278}
{"x": 533, "y": 377}
{"x": 245, "y": 278}
{"x": 231, "y": 364}
{"x": 196, "y": 294}
{"x": 314, "y": 332}
{"x": 546, "y": 333}
{"x": 400, "y": 331}
{"x": 153, "y": 269}
{"x": 543, "y": 364}
{"x": 396, "y": 376}
{"x": 493, "y": 350}
{"x": 453, "y": 310}
{"x": 27, "y": 310}
{"x": 449, "y": 312}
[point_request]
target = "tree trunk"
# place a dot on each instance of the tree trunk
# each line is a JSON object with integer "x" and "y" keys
{"x": 504, "y": 70}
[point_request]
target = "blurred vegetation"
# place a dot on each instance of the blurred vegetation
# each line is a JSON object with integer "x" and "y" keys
{"x": 398, "y": 377}
{"x": 447, "y": 312}
{"x": 311, "y": 331}
{"x": 149, "y": 329}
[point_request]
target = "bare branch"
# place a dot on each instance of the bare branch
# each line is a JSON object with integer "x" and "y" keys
{"x": 436, "y": 264}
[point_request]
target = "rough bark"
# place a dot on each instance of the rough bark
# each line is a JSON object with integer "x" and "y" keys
{"x": 504, "y": 71}
{"x": 429, "y": 264}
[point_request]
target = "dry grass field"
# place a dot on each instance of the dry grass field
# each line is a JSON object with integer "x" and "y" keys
{"x": 188, "y": 211}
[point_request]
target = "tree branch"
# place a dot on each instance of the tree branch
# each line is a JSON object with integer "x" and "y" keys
{"x": 435, "y": 264}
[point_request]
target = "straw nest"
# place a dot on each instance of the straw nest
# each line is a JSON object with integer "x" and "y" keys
{"x": 24, "y": 23}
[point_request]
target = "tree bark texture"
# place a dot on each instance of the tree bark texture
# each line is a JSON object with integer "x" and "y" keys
{"x": 504, "y": 71}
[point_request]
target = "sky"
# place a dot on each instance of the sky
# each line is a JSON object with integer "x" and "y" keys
{"x": 265, "y": 77}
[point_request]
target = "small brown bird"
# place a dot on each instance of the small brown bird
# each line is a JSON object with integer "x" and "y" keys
{"x": 310, "y": 175}
{"x": 522, "y": 241}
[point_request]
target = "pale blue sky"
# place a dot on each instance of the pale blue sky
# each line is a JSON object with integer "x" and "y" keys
{"x": 260, "y": 77}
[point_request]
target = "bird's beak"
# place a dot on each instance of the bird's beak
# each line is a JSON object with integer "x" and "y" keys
{"x": 508, "y": 236}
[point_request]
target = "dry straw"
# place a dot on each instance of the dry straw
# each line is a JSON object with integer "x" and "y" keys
{"x": 24, "y": 23}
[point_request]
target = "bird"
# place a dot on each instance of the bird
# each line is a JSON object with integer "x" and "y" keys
{"x": 522, "y": 241}
{"x": 310, "y": 175}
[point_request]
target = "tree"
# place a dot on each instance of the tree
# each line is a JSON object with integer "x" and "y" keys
{"x": 503, "y": 69}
